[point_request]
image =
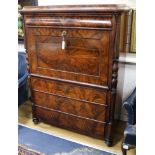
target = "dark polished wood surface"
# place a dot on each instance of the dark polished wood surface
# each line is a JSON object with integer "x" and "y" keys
{"x": 112, "y": 8}
{"x": 74, "y": 91}
{"x": 72, "y": 106}
{"x": 72, "y": 56}
{"x": 85, "y": 58}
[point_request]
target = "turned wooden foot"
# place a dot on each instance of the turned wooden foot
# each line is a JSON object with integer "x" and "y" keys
{"x": 124, "y": 151}
{"x": 109, "y": 142}
{"x": 35, "y": 120}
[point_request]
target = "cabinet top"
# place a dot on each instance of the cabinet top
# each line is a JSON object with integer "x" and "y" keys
{"x": 109, "y": 8}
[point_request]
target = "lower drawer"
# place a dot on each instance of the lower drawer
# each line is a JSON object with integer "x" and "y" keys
{"x": 73, "y": 91}
{"x": 72, "y": 106}
{"x": 81, "y": 125}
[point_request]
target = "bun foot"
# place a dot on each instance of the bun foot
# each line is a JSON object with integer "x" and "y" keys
{"x": 109, "y": 142}
{"x": 35, "y": 120}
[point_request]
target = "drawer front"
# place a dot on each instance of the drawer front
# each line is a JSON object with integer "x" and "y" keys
{"x": 84, "y": 59}
{"x": 71, "y": 106}
{"x": 70, "y": 21}
{"x": 72, "y": 91}
{"x": 85, "y": 126}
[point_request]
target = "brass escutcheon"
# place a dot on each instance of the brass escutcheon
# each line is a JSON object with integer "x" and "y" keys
{"x": 64, "y": 33}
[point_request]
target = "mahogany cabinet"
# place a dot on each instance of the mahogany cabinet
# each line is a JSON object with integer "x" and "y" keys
{"x": 72, "y": 56}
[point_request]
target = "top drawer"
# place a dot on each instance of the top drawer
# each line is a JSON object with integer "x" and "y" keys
{"x": 98, "y": 22}
{"x": 66, "y": 52}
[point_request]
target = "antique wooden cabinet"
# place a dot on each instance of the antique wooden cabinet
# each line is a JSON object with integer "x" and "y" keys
{"x": 73, "y": 63}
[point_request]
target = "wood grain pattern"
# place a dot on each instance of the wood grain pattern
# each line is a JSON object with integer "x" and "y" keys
{"x": 73, "y": 56}
{"x": 75, "y": 59}
{"x": 81, "y": 125}
{"x": 111, "y": 8}
{"x": 70, "y": 63}
{"x": 85, "y": 109}
{"x": 69, "y": 90}
{"x": 99, "y": 22}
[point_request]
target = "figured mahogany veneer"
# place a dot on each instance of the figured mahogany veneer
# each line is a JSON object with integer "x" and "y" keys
{"x": 85, "y": 49}
{"x": 72, "y": 54}
{"x": 70, "y": 106}
{"x": 69, "y": 90}
{"x": 79, "y": 124}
